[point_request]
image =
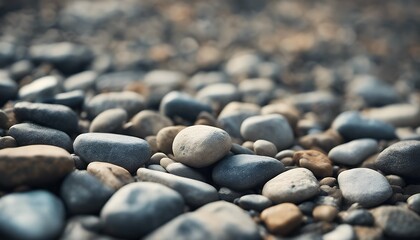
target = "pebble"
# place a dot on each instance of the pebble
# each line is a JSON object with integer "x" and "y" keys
{"x": 265, "y": 148}
{"x": 148, "y": 123}
{"x": 396, "y": 180}
{"x": 32, "y": 215}
{"x": 243, "y": 172}
{"x": 200, "y": 146}
{"x": 307, "y": 207}
{"x": 353, "y": 152}
{"x": 8, "y": 89}
{"x": 49, "y": 115}
{"x": 218, "y": 95}
{"x": 178, "y": 104}
{"x": 273, "y": 128}
{"x": 109, "y": 121}
{"x": 317, "y": 162}
{"x": 325, "y": 213}
{"x": 164, "y": 162}
{"x": 182, "y": 170}
{"x": 144, "y": 206}
{"x": 31, "y": 134}
{"x": 81, "y": 81}
{"x": 257, "y": 90}
{"x": 243, "y": 65}
{"x": 151, "y": 140}
{"x": 40, "y": 89}
{"x": 34, "y": 165}
{"x": 284, "y": 154}
{"x": 357, "y": 217}
{"x": 124, "y": 151}
{"x": 408, "y": 114}
{"x": 238, "y": 149}
{"x": 7, "y": 53}
{"x": 397, "y": 222}
{"x": 21, "y": 69}
{"x": 109, "y": 174}
{"x": 195, "y": 193}
{"x": 156, "y": 167}
{"x": 155, "y": 158}
{"x": 229, "y": 195}
{"x": 83, "y": 193}
{"x": 290, "y": 112}
{"x": 283, "y": 218}
{"x": 351, "y": 125}
{"x": 131, "y": 102}
{"x": 354, "y": 188}
{"x": 413, "y": 203}
{"x": 368, "y": 233}
{"x": 203, "y": 79}
{"x": 295, "y": 186}
{"x": 329, "y": 181}
{"x": 84, "y": 227}
{"x": 217, "y": 220}
{"x": 255, "y": 202}
{"x": 66, "y": 56}
{"x": 342, "y": 232}
{"x": 7, "y": 142}
{"x": 324, "y": 141}
{"x": 234, "y": 113}
{"x": 73, "y": 99}
{"x": 399, "y": 159}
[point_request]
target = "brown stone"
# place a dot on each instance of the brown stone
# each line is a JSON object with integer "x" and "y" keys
{"x": 152, "y": 141}
{"x": 325, "y": 213}
{"x": 330, "y": 181}
{"x": 319, "y": 164}
{"x": 147, "y": 123}
{"x": 34, "y": 165}
{"x": 165, "y": 138}
{"x": 368, "y": 233}
{"x": 323, "y": 141}
{"x": 290, "y": 112}
{"x": 282, "y": 218}
{"x": 109, "y": 174}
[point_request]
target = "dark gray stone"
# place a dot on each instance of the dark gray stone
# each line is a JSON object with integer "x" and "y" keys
{"x": 400, "y": 159}
{"x": 50, "y": 115}
{"x": 195, "y": 193}
{"x": 30, "y": 134}
{"x": 177, "y": 104}
{"x": 73, "y": 99}
{"x": 414, "y": 203}
{"x": 243, "y": 172}
{"x": 4, "y": 119}
{"x": 34, "y": 215}
{"x": 124, "y": 151}
{"x": 7, "y": 142}
{"x": 214, "y": 221}
{"x": 351, "y": 125}
{"x": 40, "y": 89}
{"x": 8, "y": 89}
{"x": 82, "y": 193}
{"x": 7, "y": 53}
{"x": 21, "y": 69}
{"x": 358, "y": 217}
{"x": 139, "y": 208}
{"x": 183, "y": 170}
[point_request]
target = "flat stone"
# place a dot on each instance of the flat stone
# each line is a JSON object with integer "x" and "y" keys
{"x": 342, "y": 231}
{"x": 357, "y": 217}
{"x": 229, "y": 195}
{"x": 408, "y": 114}
{"x": 397, "y": 222}
{"x": 400, "y": 159}
{"x": 295, "y": 185}
{"x": 144, "y": 206}
{"x": 354, "y": 152}
{"x": 109, "y": 121}
{"x": 200, "y": 146}
{"x": 73, "y": 99}
{"x": 283, "y": 218}
{"x": 81, "y": 81}
{"x": 265, "y": 148}
{"x": 254, "y": 202}
{"x": 131, "y": 102}
{"x": 109, "y": 174}
{"x": 242, "y": 65}
{"x": 273, "y": 128}
{"x": 82, "y": 193}
{"x": 148, "y": 123}
{"x": 317, "y": 162}
{"x": 351, "y": 125}
{"x": 244, "y": 172}
{"x": 20, "y": 69}
{"x": 32, "y": 215}
{"x": 165, "y": 137}
{"x": 414, "y": 203}
{"x": 195, "y": 193}
{"x": 325, "y": 213}
{"x": 50, "y": 115}
{"x": 39, "y": 89}
{"x": 32, "y": 134}
{"x": 34, "y": 165}
{"x": 125, "y": 151}
{"x": 177, "y": 104}
{"x": 217, "y": 220}
{"x": 354, "y": 188}
{"x": 183, "y": 170}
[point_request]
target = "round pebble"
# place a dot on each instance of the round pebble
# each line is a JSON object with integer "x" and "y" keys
{"x": 165, "y": 138}
{"x": 325, "y": 213}
{"x": 265, "y": 148}
{"x": 200, "y": 146}
{"x": 40, "y": 89}
{"x": 148, "y": 123}
{"x": 254, "y": 202}
{"x": 353, "y": 184}
{"x": 109, "y": 121}
{"x": 109, "y": 174}
{"x": 282, "y": 218}
{"x": 343, "y": 231}
{"x": 414, "y": 203}
{"x": 353, "y": 152}
{"x": 7, "y": 142}
{"x": 177, "y": 104}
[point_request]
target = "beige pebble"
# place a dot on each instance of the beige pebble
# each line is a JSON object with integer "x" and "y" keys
{"x": 317, "y": 162}
{"x": 282, "y": 218}
{"x": 325, "y": 213}
{"x": 265, "y": 148}
{"x": 111, "y": 175}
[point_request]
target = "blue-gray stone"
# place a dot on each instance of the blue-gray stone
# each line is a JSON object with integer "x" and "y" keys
{"x": 81, "y": 81}
{"x": 177, "y": 104}
{"x": 353, "y": 152}
{"x": 40, "y": 89}
{"x": 72, "y": 99}
{"x": 358, "y": 217}
{"x": 125, "y": 151}
{"x": 400, "y": 159}
{"x": 139, "y": 208}
{"x": 109, "y": 121}
{"x": 254, "y": 202}
{"x": 351, "y": 125}
{"x": 34, "y": 215}
{"x": 31, "y": 134}
{"x": 8, "y": 89}
{"x": 50, "y": 115}
{"x": 243, "y": 172}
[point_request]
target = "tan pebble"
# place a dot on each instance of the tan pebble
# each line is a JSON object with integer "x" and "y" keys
{"x": 288, "y": 161}
{"x": 324, "y": 213}
{"x": 164, "y": 162}
{"x": 165, "y": 138}
{"x": 147, "y": 123}
{"x": 282, "y": 218}
{"x": 152, "y": 143}
{"x": 368, "y": 233}
{"x": 319, "y": 164}
{"x": 325, "y": 141}
{"x": 111, "y": 175}
{"x": 155, "y": 158}
{"x": 265, "y": 148}
{"x": 249, "y": 145}
{"x": 330, "y": 181}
